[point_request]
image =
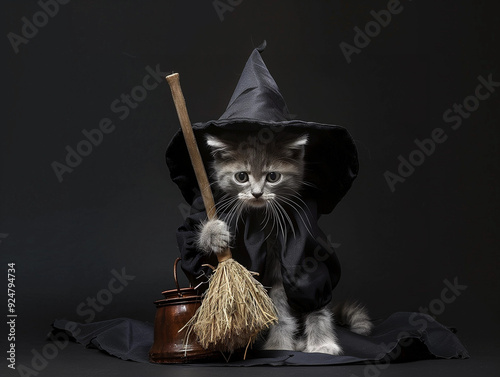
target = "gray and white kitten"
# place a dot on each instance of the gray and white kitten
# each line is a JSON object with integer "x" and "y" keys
{"x": 265, "y": 176}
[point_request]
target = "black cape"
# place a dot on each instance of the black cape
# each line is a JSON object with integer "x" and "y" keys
{"x": 400, "y": 337}
{"x": 310, "y": 267}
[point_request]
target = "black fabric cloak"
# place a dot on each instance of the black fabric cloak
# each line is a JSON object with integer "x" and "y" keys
{"x": 310, "y": 268}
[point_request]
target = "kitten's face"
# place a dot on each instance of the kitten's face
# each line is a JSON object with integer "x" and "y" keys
{"x": 256, "y": 174}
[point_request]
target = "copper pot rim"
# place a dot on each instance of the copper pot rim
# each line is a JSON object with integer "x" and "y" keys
{"x": 180, "y": 292}
{"x": 172, "y": 302}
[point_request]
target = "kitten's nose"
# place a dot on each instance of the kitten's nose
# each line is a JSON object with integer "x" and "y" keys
{"x": 257, "y": 194}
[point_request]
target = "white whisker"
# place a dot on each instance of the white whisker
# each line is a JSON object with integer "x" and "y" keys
{"x": 279, "y": 218}
{"x": 287, "y": 217}
{"x": 294, "y": 206}
{"x": 297, "y": 196}
{"x": 267, "y": 216}
{"x": 273, "y": 212}
{"x": 226, "y": 204}
{"x": 309, "y": 184}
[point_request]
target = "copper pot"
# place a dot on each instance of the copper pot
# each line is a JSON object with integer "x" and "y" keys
{"x": 172, "y": 313}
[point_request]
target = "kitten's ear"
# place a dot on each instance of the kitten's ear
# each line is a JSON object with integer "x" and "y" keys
{"x": 296, "y": 148}
{"x": 217, "y": 146}
{"x": 214, "y": 142}
{"x": 300, "y": 142}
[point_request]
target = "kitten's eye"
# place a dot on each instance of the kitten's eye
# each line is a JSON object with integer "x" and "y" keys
{"x": 241, "y": 177}
{"x": 273, "y": 177}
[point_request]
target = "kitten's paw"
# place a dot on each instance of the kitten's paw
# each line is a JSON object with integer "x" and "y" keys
{"x": 300, "y": 345}
{"x": 331, "y": 347}
{"x": 214, "y": 236}
{"x": 277, "y": 342}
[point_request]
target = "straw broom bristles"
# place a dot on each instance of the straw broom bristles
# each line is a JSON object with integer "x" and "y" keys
{"x": 234, "y": 310}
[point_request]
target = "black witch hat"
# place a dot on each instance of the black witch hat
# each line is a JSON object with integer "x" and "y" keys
{"x": 257, "y": 106}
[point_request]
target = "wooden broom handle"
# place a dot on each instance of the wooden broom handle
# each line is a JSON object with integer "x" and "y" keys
{"x": 194, "y": 153}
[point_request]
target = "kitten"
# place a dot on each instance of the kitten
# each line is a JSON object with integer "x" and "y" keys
{"x": 266, "y": 177}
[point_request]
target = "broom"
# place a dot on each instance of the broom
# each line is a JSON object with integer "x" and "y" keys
{"x": 235, "y": 307}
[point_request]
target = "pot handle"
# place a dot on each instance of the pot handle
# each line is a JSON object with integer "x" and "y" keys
{"x": 175, "y": 277}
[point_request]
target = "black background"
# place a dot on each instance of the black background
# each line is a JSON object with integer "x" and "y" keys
{"x": 119, "y": 209}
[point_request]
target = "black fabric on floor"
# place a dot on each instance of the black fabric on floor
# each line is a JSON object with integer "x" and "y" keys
{"x": 401, "y": 337}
